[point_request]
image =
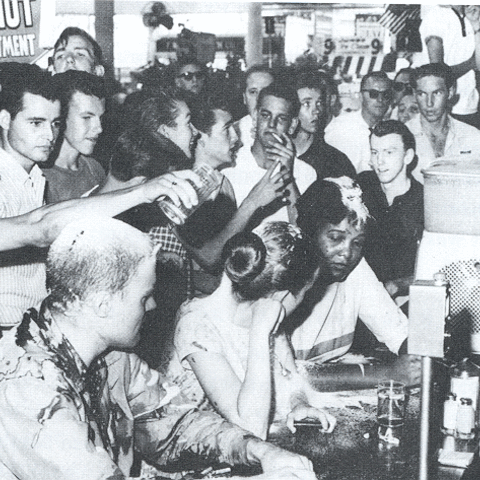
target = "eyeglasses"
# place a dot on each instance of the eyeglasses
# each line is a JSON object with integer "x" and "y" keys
{"x": 400, "y": 86}
{"x": 374, "y": 94}
{"x": 188, "y": 76}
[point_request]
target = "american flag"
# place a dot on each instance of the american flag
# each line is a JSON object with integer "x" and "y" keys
{"x": 396, "y": 16}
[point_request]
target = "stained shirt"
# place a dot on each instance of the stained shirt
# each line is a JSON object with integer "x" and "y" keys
{"x": 22, "y": 271}
{"x": 61, "y": 420}
{"x": 393, "y": 237}
{"x": 327, "y": 330}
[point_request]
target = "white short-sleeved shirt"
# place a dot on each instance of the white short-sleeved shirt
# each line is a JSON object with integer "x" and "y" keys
{"x": 463, "y": 142}
{"x": 442, "y": 21}
{"x": 246, "y": 174}
{"x": 328, "y": 332}
{"x": 350, "y": 134}
{"x": 22, "y": 272}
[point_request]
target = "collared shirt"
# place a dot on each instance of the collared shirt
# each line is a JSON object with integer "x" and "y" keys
{"x": 393, "y": 237}
{"x": 327, "y": 161}
{"x": 22, "y": 271}
{"x": 350, "y": 133}
{"x": 328, "y": 330}
{"x": 463, "y": 142}
{"x": 246, "y": 174}
{"x": 52, "y": 427}
{"x": 443, "y": 22}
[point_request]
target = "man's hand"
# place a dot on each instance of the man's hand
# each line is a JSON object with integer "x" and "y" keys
{"x": 301, "y": 412}
{"x": 407, "y": 369}
{"x": 177, "y": 186}
{"x": 271, "y": 186}
{"x": 275, "y": 459}
{"x": 282, "y": 150}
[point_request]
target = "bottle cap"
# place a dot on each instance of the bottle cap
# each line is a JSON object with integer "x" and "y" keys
{"x": 466, "y": 401}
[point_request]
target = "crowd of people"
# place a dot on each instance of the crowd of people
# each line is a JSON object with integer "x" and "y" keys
{"x": 137, "y": 336}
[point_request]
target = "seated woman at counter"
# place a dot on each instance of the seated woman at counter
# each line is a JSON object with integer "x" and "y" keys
{"x": 226, "y": 343}
{"x": 322, "y": 329}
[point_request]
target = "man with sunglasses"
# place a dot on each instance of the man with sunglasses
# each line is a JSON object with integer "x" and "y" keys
{"x": 350, "y": 132}
{"x": 190, "y": 77}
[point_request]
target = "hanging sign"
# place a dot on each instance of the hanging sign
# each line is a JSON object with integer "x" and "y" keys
{"x": 19, "y": 30}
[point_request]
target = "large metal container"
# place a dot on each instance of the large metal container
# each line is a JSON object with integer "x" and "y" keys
{"x": 452, "y": 196}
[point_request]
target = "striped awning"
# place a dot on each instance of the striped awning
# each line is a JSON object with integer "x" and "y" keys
{"x": 396, "y": 16}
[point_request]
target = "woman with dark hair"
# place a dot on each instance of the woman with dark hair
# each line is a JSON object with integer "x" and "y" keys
{"x": 227, "y": 342}
{"x": 333, "y": 214}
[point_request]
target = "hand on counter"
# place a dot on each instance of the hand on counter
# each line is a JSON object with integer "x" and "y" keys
{"x": 301, "y": 412}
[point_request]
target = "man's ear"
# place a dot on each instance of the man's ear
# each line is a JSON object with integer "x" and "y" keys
{"x": 293, "y": 126}
{"x": 101, "y": 303}
{"x": 409, "y": 156}
{"x": 163, "y": 130}
{"x": 99, "y": 70}
{"x": 5, "y": 119}
{"x": 451, "y": 92}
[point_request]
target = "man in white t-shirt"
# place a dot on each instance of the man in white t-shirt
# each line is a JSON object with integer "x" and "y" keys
{"x": 451, "y": 34}
{"x": 276, "y": 118}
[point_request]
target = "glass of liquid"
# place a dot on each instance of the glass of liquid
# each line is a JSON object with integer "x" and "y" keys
{"x": 211, "y": 181}
{"x": 390, "y": 412}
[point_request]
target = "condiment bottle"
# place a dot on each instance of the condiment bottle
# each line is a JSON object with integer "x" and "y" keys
{"x": 465, "y": 419}
{"x": 450, "y": 408}
{"x": 464, "y": 381}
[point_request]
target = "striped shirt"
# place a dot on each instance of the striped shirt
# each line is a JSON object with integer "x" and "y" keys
{"x": 22, "y": 271}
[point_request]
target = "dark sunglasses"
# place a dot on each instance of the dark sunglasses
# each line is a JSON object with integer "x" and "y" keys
{"x": 189, "y": 75}
{"x": 400, "y": 86}
{"x": 374, "y": 94}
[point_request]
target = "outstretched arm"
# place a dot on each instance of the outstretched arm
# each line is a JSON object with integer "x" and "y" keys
{"x": 41, "y": 226}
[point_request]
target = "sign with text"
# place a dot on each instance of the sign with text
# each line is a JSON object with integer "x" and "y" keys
{"x": 348, "y": 46}
{"x": 368, "y": 26}
{"x": 19, "y": 30}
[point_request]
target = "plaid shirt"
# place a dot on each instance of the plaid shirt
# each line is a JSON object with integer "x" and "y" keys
{"x": 169, "y": 242}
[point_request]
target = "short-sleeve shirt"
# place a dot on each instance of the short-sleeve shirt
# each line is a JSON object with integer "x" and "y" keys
{"x": 22, "y": 271}
{"x": 65, "y": 184}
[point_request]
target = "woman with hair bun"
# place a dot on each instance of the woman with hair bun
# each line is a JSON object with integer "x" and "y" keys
{"x": 227, "y": 343}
